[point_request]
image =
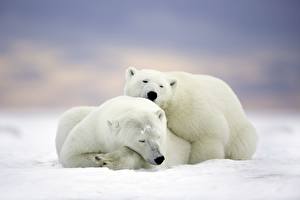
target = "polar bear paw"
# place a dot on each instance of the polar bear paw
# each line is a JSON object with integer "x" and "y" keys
{"x": 109, "y": 160}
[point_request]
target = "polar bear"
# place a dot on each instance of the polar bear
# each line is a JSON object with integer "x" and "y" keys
{"x": 200, "y": 109}
{"x": 122, "y": 133}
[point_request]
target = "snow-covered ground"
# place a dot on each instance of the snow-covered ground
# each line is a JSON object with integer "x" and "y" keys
{"x": 29, "y": 168}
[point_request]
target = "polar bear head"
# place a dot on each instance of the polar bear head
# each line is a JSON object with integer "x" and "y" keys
{"x": 150, "y": 84}
{"x": 143, "y": 132}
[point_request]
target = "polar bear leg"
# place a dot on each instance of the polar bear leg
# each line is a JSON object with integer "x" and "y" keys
{"x": 205, "y": 150}
{"x": 68, "y": 121}
{"x": 243, "y": 144}
{"x": 212, "y": 144}
{"x": 123, "y": 158}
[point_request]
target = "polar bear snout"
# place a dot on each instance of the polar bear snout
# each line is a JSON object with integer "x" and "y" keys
{"x": 159, "y": 160}
{"x": 155, "y": 157}
{"x": 152, "y": 95}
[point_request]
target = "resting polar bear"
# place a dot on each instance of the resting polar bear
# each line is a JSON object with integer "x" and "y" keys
{"x": 124, "y": 132}
{"x": 200, "y": 109}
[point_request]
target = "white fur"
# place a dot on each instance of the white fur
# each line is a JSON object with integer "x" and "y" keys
{"x": 109, "y": 135}
{"x": 200, "y": 109}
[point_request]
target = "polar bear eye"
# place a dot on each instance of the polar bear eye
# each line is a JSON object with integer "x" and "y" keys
{"x": 161, "y": 86}
{"x": 142, "y": 141}
{"x": 145, "y": 81}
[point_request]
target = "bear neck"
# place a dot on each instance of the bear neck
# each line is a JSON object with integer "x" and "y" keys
{"x": 177, "y": 102}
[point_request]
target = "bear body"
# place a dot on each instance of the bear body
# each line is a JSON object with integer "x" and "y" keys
{"x": 122, "y": 133}
{"x": 200, "y": 109}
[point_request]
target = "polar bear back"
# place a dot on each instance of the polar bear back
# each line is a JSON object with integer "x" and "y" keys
{"x": 210, "y": 94}
{"x": 213, "y": 90}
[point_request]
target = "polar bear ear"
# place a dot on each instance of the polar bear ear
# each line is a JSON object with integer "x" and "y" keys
{"x": 130, "y": 72}
{"x": 114, "y": 125}
{"x": 173, "y": 82}
{"x": 160, "y": 114}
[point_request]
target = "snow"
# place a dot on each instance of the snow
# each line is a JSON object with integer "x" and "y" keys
{"x": 29, "y": 167}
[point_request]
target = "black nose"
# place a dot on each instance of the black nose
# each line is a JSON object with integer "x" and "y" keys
{"x": 159, "y": 160}
{"x": 152, "y": 95}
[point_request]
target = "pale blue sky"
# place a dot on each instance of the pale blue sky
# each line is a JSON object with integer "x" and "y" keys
{"x": 253, "y": 45}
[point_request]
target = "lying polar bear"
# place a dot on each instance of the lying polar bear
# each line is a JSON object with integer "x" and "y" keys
{"x": 123, "y": 133}
{"x": 200, "y": 109}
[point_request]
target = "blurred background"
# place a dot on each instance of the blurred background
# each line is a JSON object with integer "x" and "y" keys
{"x": 58, "y": 54}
